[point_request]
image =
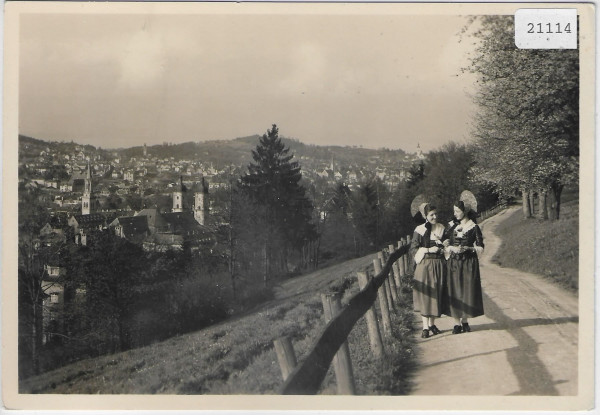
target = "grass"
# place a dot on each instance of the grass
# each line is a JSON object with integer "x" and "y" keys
{"x": 237, "y": 356}
{"x": 548, "y": 248}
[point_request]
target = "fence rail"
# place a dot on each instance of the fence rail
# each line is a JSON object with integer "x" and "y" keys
{"x": 331, "y": 346}
{"x": 492, "y": 211}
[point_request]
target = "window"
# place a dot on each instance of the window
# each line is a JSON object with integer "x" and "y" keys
{"x": 53, "y": 271}
{"x": 54, "y": 298}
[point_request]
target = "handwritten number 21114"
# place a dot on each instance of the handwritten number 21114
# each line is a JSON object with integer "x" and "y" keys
{"x": 547, "y": 28}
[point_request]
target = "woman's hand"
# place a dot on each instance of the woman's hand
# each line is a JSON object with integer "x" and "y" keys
{"x": 446, "y": 243}
{"x": 433, "y": 250}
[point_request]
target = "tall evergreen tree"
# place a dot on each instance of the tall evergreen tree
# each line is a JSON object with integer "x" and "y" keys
{"x": 273, "y": 183}
{"x": 366, "y": 215}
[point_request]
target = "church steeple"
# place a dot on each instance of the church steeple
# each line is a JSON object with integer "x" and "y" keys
{"x": 201, "y": 202}
{"x": 86, "y": 199}
{"x": 420, "y": 154}
{"x": 178, "y": 196}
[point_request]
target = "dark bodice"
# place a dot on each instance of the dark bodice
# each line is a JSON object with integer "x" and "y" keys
{"x": 424, "y": 241}
{"x": 458, "y": 237}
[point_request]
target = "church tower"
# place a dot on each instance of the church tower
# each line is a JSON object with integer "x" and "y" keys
{"x": 86, "y": 199}
{"x": 420, "y": 154}
{"x": 178, "y": 196}
{"x": 201, "y": 202}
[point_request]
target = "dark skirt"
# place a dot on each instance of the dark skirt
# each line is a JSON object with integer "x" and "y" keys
{"x": 464, "y": 287}
{"x": 429, "y": 287}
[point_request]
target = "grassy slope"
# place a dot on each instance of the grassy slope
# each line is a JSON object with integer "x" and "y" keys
{"x": 548, "y": 248}
{"x": 237, "y": 356}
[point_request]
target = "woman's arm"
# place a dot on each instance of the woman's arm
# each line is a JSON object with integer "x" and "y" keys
{"x": 478, "y": 245}
{"x": 415, "y": 244}
{"x": 448, "y": 231}
{"x": 417, "y": 250}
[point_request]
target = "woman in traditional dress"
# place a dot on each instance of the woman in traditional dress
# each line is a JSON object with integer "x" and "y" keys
{"x": 429, "y": 293}
{"x": 464, "y": 280}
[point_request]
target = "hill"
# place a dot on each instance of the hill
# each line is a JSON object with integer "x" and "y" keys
{"x": 237, "y": 356}
{"x": 549, "y": 248}
{"x": 235, "y": 152}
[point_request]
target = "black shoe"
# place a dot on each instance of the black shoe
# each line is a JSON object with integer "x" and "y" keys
{"x": 434, "y": 330}
{"x": 456, "y": 330}
{"x": 425, "y": 334}
{"x": 466, "y": 328}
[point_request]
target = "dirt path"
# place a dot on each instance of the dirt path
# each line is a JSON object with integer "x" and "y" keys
{"x": 526, "y": 344}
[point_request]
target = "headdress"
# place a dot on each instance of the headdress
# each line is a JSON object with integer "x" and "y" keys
{"x": 418, "y": 205}
{"x": 468, "y": 201}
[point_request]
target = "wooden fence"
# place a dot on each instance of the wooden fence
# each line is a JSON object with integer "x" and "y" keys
{"x": 492, "y": 211}
{"x": 331, "y": 346}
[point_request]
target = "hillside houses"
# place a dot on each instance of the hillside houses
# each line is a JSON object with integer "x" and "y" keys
{"x": 122, "y": 176}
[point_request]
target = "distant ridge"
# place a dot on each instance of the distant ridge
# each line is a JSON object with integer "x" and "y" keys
{"x": 237, "y": 151}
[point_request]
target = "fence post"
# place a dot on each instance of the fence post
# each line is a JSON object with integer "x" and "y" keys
{"x": 372, "y": 326}
{"x": 409, "y": 263}
{"x": 285, "y": 356}
{"x": 388, "y": 286}
{"x": 383, "y": 303}
{"x": 392, "y": 283}
{"x": 395, "y": 269}
{"x": 402, "y": 260}
{"x": 405, "y": 258}
{"x": 386, "y": 282}
{"x": 341, "y": 361}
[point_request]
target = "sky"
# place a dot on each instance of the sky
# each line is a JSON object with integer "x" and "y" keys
{"x": 120, "y": 80}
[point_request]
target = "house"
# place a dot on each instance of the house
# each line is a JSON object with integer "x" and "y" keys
{"x": 158, "y": 231}
{"x": 53, "y": 302}
{"x": 324, "y": 174}
{"x": 85, "y": 225}
{"x": 132, "y": 228}
{"x": 163, "y": 242}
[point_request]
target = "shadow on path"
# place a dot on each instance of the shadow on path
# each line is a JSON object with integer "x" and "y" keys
{"x": 530, "y": 371}
{"x": 458, "y": 359}
{"x": 525, "y": 322}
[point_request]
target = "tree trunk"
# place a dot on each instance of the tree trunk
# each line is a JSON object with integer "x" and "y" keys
{"x": 542, "y": 212}
{"x": 554, "y": 201}
{"x": 532, "y": 203}
{"x": 318, "y": 246}
{"x": 232, "y": 276}
{"x": 36, "y": 335}
{"x": 266, "y": 272}
{"x": 526, "y": 206}
{"x": 123, "y": 341}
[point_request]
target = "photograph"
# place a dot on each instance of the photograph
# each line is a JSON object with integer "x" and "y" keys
{"x": 298, "y": 206}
